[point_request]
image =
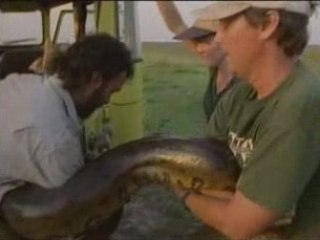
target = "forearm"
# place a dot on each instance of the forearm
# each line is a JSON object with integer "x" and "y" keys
{"x": 210, "y": 210}
{"x": 171, "y": 16}
{"x": 232, "y": 215}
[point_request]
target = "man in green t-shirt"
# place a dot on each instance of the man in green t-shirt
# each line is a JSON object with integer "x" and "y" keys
{"x": 271, "y": 121}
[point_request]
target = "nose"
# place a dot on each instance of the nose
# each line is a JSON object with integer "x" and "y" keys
{"x": 200, "y": 48}
{"x": 219, "y": 34}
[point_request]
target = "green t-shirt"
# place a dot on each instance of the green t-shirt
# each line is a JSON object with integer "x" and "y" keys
{"x": 276, "y": 141}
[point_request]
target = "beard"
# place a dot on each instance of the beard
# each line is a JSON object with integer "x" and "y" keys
{"x": 90, "y": 105}
{"x": 85, "y": 111}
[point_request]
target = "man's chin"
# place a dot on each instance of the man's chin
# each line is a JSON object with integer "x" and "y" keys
{"x": 213, "y": 62}
{"x": 85, "y": 114}
{"x": 208, "y": 63}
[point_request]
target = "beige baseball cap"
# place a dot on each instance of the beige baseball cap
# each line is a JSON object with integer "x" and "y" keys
{"x": 199, "y": 28}
{"x": 224, "y": 9}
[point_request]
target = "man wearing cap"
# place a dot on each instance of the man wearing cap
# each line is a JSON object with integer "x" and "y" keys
{"x": 271, "y": 121}
{"x": 200, "y": 39}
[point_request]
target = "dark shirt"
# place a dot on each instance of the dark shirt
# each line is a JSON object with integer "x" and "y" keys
{"x": 211, "y": 97}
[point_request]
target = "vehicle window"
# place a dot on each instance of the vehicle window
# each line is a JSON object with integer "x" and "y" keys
{"x": 62, "y": 27}
{"x": 23, "y": 28}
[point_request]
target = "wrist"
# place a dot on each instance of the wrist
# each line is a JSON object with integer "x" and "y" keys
{"x": 185, "y": 195}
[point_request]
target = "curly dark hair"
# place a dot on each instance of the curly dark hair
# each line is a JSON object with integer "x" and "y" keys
{"x": 99, "y": 53}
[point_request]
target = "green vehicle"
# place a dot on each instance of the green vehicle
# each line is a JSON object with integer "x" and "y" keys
{"x": 30, "y": 26}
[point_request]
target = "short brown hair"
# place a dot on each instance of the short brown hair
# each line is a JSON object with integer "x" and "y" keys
{"x": 292, "y": 33}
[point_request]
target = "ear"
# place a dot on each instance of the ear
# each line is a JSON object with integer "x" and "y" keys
{"x": 96, "y": 80}
{"x": 271, "y": 26}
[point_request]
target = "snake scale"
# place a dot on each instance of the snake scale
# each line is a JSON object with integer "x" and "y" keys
{"x": 93, "y": 194}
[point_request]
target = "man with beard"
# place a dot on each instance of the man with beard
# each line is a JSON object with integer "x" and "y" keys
{"x": 41, "y": 115}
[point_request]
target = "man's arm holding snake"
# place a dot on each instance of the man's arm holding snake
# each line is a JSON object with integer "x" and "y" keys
{"x": 232, "y": 214}
{"x": 173, "y": 20}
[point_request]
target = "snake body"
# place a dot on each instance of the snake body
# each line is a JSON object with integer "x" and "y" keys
{"x": 102, "y": 187}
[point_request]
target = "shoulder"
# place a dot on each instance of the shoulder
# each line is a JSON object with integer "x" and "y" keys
{"x": 305, "y": 82}
{"x": 302, "y": 96}
{"x": 16, "y": 85}
{"x": 27, "y": 101}
{"x": 16, "y": 90}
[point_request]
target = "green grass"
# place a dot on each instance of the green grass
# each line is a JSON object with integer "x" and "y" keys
{"x": 174, "y": 83}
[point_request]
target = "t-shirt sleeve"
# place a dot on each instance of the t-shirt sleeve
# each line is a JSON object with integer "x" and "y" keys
{"x": 281, "y": 165}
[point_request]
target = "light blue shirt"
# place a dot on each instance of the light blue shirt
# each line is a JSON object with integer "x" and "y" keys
{"x": 40, "y": 132}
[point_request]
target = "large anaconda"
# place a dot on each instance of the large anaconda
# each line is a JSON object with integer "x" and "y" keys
{"x": 103, "y": 186}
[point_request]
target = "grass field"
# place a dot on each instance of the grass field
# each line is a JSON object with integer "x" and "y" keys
{"x": 173, "y": 87}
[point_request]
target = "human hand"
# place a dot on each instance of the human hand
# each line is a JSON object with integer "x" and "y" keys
{"x": 99, "y": 142}
{"x": 182, "y": 191}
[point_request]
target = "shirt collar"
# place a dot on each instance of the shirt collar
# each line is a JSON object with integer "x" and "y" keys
{"x": 56, "y": 84}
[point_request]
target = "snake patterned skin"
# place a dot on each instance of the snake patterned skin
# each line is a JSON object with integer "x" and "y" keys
{"x": 102, "y": 187}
